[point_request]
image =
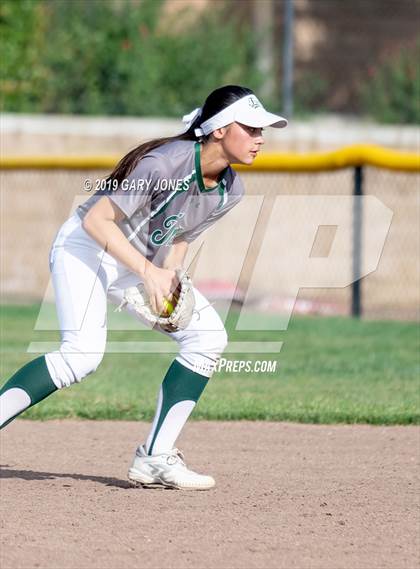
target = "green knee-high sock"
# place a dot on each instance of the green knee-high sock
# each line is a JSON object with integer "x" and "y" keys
{"x": 180, "y": 391}
{"x": 35, "y": 380}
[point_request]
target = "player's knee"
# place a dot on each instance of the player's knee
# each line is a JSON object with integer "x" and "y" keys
{"x": 70, "y": 365}
{"x": 84, "y": 364}
{"x": 201, "y": 349}
{"x": 212, "y": 342}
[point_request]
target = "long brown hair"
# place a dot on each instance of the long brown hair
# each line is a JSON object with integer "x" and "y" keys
{"x": 217, "y": 100}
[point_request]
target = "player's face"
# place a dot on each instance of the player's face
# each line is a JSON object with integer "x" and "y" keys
{"x": 241, "y": 143}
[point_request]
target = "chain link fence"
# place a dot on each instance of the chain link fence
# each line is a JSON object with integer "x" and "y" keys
{"x": 34, "y": 203}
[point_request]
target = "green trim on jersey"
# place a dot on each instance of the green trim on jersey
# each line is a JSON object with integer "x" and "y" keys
{"x": 222, "y": 193}
{"x": 200, "y": 180}
{"x": 163, "y": 206}
{"x": 194, "y": 176}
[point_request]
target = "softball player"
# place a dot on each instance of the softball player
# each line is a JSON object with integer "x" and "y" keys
{"x": 160, "y": 197}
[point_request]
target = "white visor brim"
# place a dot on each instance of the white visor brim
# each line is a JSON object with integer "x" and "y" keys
{"x": 248, "y": 111}
{"x": 260, "y": 118}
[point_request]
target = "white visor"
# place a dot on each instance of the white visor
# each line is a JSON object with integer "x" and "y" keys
{"x": 248, "y": 111}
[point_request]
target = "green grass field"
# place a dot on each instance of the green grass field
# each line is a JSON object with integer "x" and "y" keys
{"x": 330, "y": 370}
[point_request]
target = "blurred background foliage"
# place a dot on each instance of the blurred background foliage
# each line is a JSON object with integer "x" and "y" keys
{"x": 390, "y": 92}
{"x": 132, "y": 57}
{"x": 393, "y": 92}
{"x": 113, "y": 58}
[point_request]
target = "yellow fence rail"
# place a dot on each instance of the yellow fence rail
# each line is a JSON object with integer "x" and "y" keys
{"x": 359, "y": 160}
{"x": 347, "y": 157}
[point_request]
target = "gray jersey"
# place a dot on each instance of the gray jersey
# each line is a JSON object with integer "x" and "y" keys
{"x": 165, "y": 200}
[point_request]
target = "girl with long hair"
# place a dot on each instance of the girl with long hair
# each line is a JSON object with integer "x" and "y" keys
{"x": 160, "y": 197}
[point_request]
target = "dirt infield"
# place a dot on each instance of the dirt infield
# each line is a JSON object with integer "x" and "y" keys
{"x": 288, "y": 496}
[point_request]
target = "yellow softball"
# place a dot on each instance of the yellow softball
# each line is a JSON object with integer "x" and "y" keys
{"x": 168, "y": 306}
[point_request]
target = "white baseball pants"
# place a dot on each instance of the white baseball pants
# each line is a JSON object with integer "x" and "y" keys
{"x": 84, "y": 278}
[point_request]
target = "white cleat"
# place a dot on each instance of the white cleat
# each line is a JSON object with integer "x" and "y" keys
{"x": 166, "y": 469}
